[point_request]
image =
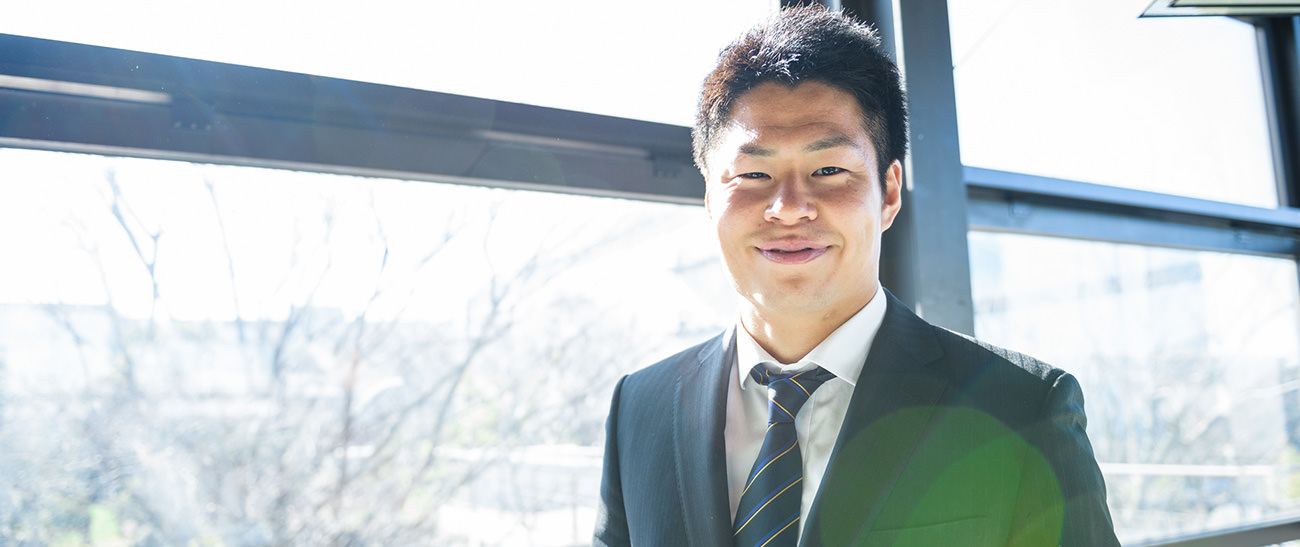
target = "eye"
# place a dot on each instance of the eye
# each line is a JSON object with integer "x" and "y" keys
{"x": 754, "y": 175}
{"x": 828, "y": 171}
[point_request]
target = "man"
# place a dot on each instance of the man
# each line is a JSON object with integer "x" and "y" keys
{"x": 831, "y": 414}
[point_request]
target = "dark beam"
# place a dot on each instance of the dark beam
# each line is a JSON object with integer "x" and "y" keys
{"x": 924, "y": 255}
{"x": 1280, "y": 56}
{"x": 1255, "y": 535}
{"x": 73, "y": 97}
{"x": 1015, "y": 202}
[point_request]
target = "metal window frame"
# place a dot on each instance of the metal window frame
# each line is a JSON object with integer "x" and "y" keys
{"x": 1016, "y": 202}
{"x": 1177, "y": 8}
{"x": 1256, "y": 535}
{"x": 1278, "y": 41}
{"x": 74, "y": 97}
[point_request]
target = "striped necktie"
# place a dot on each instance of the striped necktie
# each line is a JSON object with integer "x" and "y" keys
{"x": 768, "y": 514}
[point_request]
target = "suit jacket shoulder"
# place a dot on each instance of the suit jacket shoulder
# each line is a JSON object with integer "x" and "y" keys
{"x": 664, "y": 447}
{"x": 949, "y": 440}
{"x": 656, "y": 379}
{"x": 1011, "y": 386}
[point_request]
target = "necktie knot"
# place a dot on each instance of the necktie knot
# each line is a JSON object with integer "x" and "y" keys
{"x": 790, "y": 391}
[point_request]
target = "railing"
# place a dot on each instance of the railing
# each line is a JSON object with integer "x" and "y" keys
{"x": 1253, "y": 535}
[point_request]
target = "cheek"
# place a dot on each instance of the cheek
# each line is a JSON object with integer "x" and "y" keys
{"x": 855, "y": 214}
{"x": 740, "y": 205}
{"x": 724, "y": 206}
{"x": 850, "y": 202}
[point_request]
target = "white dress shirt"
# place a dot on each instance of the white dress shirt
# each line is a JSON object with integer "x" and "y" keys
{"x": 818, "y": 423}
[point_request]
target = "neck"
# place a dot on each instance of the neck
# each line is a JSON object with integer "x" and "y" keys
{"x": 790, "y": 337}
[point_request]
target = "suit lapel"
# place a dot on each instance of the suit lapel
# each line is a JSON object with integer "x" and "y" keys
{"x": 699, "y": 416}
{"x": 871, "y": 452}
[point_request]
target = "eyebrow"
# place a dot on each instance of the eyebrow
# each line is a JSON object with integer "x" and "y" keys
{"x": 815, "y": 146}
{"x": 828, "y": 142}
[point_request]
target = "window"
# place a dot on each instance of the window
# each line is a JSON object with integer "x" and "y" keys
{"x": 1084, "y": 129}
{"x": 1189, "y": 362}
{"x": 198, "y": 354}
{"x": 642, "y": 60}
{"x": 1086, "y": 91}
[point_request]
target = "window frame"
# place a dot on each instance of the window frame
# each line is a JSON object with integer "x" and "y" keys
{"x": 191, "y": 110}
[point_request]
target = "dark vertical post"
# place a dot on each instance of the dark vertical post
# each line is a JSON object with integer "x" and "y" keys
{"x": 1279, "y": 53}
{"x": 924, "y": 259}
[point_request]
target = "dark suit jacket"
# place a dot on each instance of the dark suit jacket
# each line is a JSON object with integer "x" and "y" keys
{"x": 947, "y": 442}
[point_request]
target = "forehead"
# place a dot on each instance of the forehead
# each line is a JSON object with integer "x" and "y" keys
{"x": 776, "y": 105}
{"x": 809, "y": 117}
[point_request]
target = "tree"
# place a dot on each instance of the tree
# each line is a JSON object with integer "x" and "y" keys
{"x": 391, "y": 376}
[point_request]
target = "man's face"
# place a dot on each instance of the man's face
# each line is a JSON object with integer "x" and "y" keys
{"x": 795, "y": 195}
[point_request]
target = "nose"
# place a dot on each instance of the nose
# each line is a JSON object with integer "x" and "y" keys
{"x": 791, "y": 203}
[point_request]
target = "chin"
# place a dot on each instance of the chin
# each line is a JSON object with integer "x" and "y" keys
{"x": 789, "y": 302}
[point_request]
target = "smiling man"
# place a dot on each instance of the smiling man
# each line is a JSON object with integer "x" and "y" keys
{"x": 799, "y": 206}
{"x": 831, "y": 414}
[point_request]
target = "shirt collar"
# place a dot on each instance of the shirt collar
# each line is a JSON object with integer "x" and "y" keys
{"x": 842, "y": 353}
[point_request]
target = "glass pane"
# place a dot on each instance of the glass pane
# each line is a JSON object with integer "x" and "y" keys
{"x": 211, "y": 355}
{"x": 642, "y": 60}
{"x": 1189, "y": 361}
{"x": 1085, "y": 90}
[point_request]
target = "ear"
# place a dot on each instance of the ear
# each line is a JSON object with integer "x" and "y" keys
{"x": 893, "y": 194}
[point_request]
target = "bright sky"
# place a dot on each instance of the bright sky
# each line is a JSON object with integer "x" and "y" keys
{"x": 1085, "y": 90}
{"x": 640, "y": 60}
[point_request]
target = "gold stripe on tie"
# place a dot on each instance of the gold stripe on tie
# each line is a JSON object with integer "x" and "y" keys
{"x": 751, "y": 480}
{"x": 768, "y": 502}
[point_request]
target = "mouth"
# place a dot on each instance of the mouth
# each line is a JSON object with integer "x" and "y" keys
{"x": 795, "y": 253}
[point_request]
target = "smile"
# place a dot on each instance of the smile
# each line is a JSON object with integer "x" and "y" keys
{"x": 793, "y": 256}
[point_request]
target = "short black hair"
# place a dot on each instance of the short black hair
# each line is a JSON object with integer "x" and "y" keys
{"x": 803, "y": 44}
